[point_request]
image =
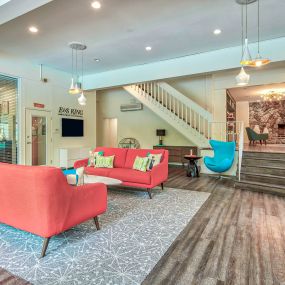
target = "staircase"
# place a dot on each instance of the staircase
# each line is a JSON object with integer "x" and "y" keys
{"x": 263, "y": 172}
{"x": 186, "y": 116}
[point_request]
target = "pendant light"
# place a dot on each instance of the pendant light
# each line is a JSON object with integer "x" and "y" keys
{"x": 242, "y": 78}
{"x": 246, "y": 57}
{"x": 75, "y": 87}
{"x": 71, "y": 89}
{"x": 82, "y": 99}
{"x": 259, "y": 60}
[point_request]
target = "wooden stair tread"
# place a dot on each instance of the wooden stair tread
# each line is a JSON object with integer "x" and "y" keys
{"x": 264, "y": 158}
{"x": 269, "y": 185}
{"x": 263, "y": 166}
{"x": 263, "y": 175}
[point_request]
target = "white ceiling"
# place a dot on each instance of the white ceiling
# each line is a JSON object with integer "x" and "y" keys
{"x": 120, "y": 30}
{"x": 253, "y": 93}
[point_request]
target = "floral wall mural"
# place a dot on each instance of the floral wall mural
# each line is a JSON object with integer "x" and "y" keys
{"x": 270, "y": 115}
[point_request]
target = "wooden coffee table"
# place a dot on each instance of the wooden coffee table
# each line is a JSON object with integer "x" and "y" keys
{"x": 192, "y": 168}
{"x": 88, "y": 179}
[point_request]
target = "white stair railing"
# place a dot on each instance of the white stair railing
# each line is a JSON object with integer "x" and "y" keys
{"x": 182, "y": 108}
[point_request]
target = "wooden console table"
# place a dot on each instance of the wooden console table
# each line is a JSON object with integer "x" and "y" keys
{"x": 177, "y": 153}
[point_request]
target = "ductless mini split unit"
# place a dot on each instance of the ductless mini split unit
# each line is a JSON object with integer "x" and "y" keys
{"x": 131, "y": 107}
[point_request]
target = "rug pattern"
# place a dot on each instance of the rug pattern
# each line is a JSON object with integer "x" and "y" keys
{"x": 136, "y": 232}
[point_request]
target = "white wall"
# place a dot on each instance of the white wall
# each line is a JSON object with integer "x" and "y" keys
{"x": 243, "y": 115}
{"x": 141, "y": 125}
{"x": 53, "y": 95}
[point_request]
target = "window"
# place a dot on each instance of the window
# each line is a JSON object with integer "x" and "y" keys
{"x": 8, "y": 119}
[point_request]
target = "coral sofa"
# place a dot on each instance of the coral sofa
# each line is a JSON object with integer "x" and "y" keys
{"x": 37, "y": 199}
{"x": 123, "y": 163}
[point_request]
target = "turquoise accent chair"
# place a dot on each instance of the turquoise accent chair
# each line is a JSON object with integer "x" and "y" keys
{"x": 224, "y": 155}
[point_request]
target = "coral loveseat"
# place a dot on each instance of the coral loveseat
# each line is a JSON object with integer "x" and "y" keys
{"x": 37, "y": 199}
{"x": 123, "y": 164}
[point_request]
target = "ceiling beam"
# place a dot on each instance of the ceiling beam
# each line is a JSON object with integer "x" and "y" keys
{"x": 16, "y": 8}
{"x": 207, "y": 62}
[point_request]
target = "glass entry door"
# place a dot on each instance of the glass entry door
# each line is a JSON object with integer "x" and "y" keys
{"x": 38, "y": 137}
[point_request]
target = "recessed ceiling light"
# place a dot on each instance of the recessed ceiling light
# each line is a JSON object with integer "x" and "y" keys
{"x": 148, "y": 48}
{"x": 217, "y": 31}
{"x": 97, "y": 59}
{"x": 96, "y": 5}
{"x": 33, "y": 29}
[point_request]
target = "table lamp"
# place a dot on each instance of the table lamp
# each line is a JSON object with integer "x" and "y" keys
{"x": 160, "y": 134}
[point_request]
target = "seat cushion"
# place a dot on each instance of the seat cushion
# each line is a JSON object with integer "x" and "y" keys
{"x": 119, "y": 153}
{"x": 133, "y": 153}
{"x": 130, "y": 175}
{"x": 97, "y": 171}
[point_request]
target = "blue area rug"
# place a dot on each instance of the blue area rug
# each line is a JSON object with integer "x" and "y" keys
{"x": 136, "y": 232}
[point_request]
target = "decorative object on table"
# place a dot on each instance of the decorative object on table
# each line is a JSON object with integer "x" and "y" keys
{"x": 129, "y": 143}
{"x": 192, "y": 169}
{"x": 253, "y": 136}
{"x": 160, "y": 134}
{"x": 224, "y": 154}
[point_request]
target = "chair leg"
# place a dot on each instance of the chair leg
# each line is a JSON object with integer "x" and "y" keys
{"x": 45, "y": 246}
{"x": 260, "y": 142}
{"x": 96, "y": 221}
{"x": 149, "y": 193}
{"x": 162, "y": 186}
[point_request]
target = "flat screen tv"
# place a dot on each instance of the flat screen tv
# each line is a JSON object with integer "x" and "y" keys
{"x": 72, "y": 127}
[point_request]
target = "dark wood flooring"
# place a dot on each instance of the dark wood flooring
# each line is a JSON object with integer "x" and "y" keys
{"x": 237, "y": 237}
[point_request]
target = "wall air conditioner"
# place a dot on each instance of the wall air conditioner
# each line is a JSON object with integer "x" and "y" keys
{"x": 131, "y": 107}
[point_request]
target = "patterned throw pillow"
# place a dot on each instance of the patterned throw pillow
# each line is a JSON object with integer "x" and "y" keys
{"x": 104, "y": 161}
{"x": 141, "y": 163}
{"x": 154, "y": 159}
{"x": 92, "y": 157}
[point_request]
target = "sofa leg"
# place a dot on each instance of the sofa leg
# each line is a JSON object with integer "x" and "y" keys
{"x": 45, "y": 246}
{"x": 96, "y": 221}
{"x": 162, "y": 186}
{"x": 149, "y": 193}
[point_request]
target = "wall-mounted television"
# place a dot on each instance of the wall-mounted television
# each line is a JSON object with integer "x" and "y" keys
{"x": 72, "y": 127}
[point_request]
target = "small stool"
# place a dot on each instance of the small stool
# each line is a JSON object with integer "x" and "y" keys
{"x": 192, "y": 169}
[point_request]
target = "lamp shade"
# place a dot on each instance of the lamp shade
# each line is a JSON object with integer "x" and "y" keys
{"x": 160, "y": 133}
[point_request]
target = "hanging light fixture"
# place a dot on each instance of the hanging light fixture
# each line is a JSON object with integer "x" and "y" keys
{"x": 82, "y": 99}
{"x": 75, "y": 87}
{"x": 259, "y": 60}
{"x": 246, "y": 56}
{"x": 242, "y": 78}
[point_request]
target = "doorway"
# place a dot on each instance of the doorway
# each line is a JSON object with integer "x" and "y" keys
{"x": 38, "y": 137}
{"x": 110, "y": 132}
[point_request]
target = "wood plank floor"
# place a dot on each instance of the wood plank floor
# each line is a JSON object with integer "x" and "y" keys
{"x": 237, "y": 237}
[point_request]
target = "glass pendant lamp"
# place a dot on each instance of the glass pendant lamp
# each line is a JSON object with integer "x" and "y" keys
{"x": 242, "y": 78}
{"x": 82, "y": 99}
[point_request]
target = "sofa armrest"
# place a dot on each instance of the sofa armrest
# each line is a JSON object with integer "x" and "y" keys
{"x": 159, "y": 173}
{"x": 81, "y": 163}
{"x": 88, "y": 201}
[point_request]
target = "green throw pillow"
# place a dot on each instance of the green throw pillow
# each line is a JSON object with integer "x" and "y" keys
{"x": 141, "y": 163}
{"x": 104, "y": 161}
